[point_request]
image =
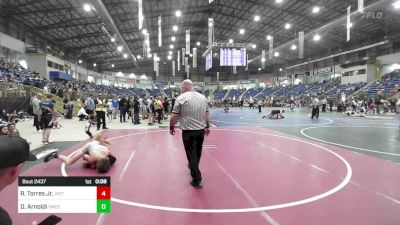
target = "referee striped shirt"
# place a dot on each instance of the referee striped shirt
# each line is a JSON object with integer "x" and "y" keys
{"x": 191, "y": 107}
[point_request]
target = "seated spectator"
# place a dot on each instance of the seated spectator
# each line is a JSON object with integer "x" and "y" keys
{"x": 12, "y": 130}
{"x": 82, "y": 115}
{"x": 3, "y": 130}
{"x": 4, "y": 115}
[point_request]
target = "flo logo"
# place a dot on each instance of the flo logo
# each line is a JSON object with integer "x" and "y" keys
{"x": 372, "y": 15}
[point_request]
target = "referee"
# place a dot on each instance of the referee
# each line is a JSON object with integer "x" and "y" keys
{"x": 191, "y": 109}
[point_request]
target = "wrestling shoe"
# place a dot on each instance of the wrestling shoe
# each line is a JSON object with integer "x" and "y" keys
{"x": 196, "y": 185}
{"x": 50, "y": 156}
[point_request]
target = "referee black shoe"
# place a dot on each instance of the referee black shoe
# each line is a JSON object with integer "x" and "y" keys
{"x": 196, "y": 185}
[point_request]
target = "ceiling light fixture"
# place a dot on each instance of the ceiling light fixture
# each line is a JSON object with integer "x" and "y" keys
{"x": 198, "y": 43}
{"x": 173, "y": 38}
{"x": 230, "y": 41}
{"x": 288, "y": 26}
{"x": 269, "y": 37}
{"x": 112, "y": 65}
{"x": 242, "y": 31}
{"x": 256, "y": 18}
{"x": 293, "y": 47}
{"x": 178, "y": 13}
{"x": 316, "y": 9}
{"x": 396, "y": 4}
{"x": 175, "y": 28}
{"x": 119, "y": 48}
{"x": 87, "y": 7}
{"x": 317, "y": 37}
{"x": 125, "y": 56}
{"x": 276, "y": 54}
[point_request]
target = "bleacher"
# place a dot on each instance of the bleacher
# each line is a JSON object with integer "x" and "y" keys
{"x": 168, "y": 92}
{"x": 389, "y": 84}
{"x": 250, "y": 93}
{"x": 219, "y": 95}
{"x": 348, "y": 89}
{"x": 234, "y": 94}
{"x": 154, "y": 92}
{"x": 266, "y": 92}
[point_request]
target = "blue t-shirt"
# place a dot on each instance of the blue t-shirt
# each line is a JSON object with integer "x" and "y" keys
{"x": 115, "y": 103}
{"x": 90, "y": 104}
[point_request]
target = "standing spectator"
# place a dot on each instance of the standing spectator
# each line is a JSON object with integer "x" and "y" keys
{"x": 136, "y": 110}
{"x": 14, "y": 151}
{"x": 191, "y": 109}
{"x": 101, "y": 108}
{"x": 109, "y": 110}
{"x": 158, "y": 107}
{"x": 47, "y": 108}
{"x": 379, "y": 102}
{"x": 123, "y": 103}
{"x": 37, "y": 112}
{"x": 90, "y": 106}
{"x": 324, "y": 102}
{"x": 150, "y": 108}
{"x": 259, "y": 105}
{"x": 166, "y": 107}
{"x": 143, "y": 108}
{"x": 115, "y": 107}
{"x": 315, "y": 108}
{"x": 392, "y": 103}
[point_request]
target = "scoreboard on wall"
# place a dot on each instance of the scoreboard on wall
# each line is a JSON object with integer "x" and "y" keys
{"x": 233, "y": 57}
{"x": 64, "y": 195}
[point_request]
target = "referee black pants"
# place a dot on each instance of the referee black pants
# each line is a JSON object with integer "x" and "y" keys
{"x": 101, "y": 117}
{"x": 193, "y": 142}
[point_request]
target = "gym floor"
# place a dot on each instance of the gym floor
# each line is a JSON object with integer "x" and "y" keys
{"x": 334, "y": 170}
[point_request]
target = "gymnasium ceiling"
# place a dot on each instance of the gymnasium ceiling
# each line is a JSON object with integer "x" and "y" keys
{"x": 79, "y": 34}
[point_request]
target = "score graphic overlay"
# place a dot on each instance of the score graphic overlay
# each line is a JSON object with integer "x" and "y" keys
{"x": 64, "y": 195}
{"x": 232, "y": 57}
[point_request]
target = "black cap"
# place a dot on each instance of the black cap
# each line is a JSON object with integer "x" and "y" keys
{"x": 14, "y": 150}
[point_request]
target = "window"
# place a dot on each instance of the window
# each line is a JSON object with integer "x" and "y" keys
{"x": 362, "y": 72}
{"x": 49, "y": 64}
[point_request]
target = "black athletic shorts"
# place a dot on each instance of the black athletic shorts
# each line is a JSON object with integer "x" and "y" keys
{"x": 46, "y": 121}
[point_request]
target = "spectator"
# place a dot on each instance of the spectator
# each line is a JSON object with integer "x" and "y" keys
{"x": 14, "y": 151}
{"x": 3, "y": 130}
{"x": 36, "y": 111}
{"x": 12, "y": 130}
{"x": 101, "y": 107}
{"x": 82, "y": 115}
{"x": 4, "y": 116}
{"x": 123, "y": 106}
{"x": 47, "y": 108}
